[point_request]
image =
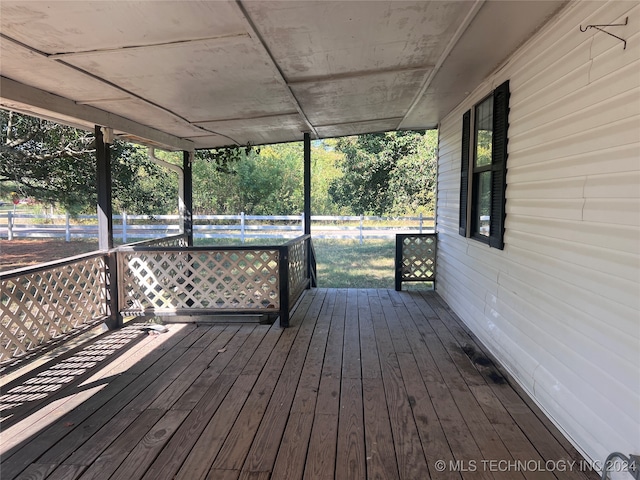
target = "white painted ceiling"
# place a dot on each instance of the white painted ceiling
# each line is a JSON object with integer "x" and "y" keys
{"x": 212, "y": 73}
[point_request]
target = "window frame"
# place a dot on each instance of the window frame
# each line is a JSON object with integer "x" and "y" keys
{"x": 470, "y": 173}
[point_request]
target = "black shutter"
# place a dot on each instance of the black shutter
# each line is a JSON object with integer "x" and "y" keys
{"x": 464, "y": 173}
{"x": 499, "y": 164}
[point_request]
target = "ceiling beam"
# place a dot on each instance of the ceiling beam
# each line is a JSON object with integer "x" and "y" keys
{"x": 255, "y": 34}
{"x": 24, "y": 98}
{"x": 359, "y": 122}
{"x": 475, "y": 8}
{"x": 232, "y": 38}
{"x": 245, "y": 118}
{"x": 362, "y": 74}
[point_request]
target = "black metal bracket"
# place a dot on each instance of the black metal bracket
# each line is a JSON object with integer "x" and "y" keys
{"x": 600, "y": 28}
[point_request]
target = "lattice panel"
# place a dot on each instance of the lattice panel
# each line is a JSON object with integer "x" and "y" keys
{"x": 419, "y": 258}
{"x": 161, "y": 281}
{"x": 297, "y": 269}
{"x": 43, "y": 305}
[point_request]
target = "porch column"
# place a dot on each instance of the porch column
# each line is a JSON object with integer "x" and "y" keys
{"x": 186, "y": 213}
{"x": 105, "y": 208}
{"x": 105, "y": 223}
{"x": 307, "y": 184}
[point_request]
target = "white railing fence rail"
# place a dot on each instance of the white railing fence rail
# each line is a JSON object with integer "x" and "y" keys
{"x": 127, "y": 227}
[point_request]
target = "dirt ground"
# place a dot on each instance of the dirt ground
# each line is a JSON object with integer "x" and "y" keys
{"x": 20, "y": 253}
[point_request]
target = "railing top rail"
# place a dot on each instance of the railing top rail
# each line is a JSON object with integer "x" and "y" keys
{"x": 293, "y": 241}
{"x": 142, "y": 243}
{"x": 46, "y": 266}
{"x": 425, "y": 234}
{"x": 209, "y": 248}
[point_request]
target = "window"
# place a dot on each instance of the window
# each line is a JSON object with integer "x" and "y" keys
{"x": 484, "y": 169}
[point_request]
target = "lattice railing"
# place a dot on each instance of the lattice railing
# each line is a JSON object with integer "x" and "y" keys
{"x": 172, "y": 280}
{"x": 41, "y": 304}
{"x": 415, "y": 258}
{"x": 298, "y": 277}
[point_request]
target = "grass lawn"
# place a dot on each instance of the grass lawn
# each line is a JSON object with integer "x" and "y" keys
{"x": 347, "y": 264}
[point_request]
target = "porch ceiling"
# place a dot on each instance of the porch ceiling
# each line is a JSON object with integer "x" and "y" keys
{"x": 211, "y": 73}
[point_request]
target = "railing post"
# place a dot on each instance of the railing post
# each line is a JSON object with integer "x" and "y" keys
{"x": 420, "y": 222}
{"x": 10, "y": 225}
{"x": 242, "y": 227}
{"x": 398, "y": 262}
{"x": 283, "y": 272}
{"x": 124, "y": 227}
{"x": 111, "y": 265}
{"x": 361, "y": 226}
{"x": 67, "y": 228}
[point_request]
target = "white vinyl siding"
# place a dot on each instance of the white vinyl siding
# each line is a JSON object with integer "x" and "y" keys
{"x": 560, "y": 305}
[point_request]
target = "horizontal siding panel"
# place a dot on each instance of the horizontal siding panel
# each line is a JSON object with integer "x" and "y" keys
{"x": 618, "y": 350}
{"x": 587, "y": 428}
{"x": 616, "y": 237}
{"x": 449, "y": 177}
{"x": 549, "y": 189}
{"x": 605, "y": 137}
{"x": 570, "y": 73}
{"x": 559, "y": 37}
{"x": 576, "y": 297}
{"x": 553, "y": 348}
{"x": 614, "y": 185}
{"x": 587, "y": 118}
{"x": 615, "y": 58}
{"x": 608, "y": 211}
{"x": 452, "y": 244}
{"x": 601, "y": 260}
{"x": 474, "y": 278}
{"x": 622, "y": 158}
{"x": 565, "y": 208}
{"x": 613, "y": 288}
{"x": 449, "y": 227}
{"x": 448, "y": 215}
{"x": 594, "y": 92}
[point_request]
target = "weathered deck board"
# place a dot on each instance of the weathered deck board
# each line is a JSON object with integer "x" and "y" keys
{"x": 365, "y": 384}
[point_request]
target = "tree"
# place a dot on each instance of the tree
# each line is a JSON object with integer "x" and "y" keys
{"x": 385, "y": 173}
{"x": 55, "y": 164}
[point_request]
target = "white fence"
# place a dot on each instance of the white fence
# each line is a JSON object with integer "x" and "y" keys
{"x": 129, "y": 227}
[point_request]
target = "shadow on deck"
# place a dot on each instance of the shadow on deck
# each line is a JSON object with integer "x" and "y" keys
{"x": 364, "y": 384}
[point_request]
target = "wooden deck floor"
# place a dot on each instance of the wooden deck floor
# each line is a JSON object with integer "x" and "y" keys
{"x": 365, "y": 384}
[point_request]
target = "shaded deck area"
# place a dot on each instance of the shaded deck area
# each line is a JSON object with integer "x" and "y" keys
{"x": 364, "y": 384}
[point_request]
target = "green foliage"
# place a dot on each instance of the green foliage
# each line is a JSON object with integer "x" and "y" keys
{"x": 223, "y": 159}
{"x": 380, "y": 174}
{"x": 324, "y": 170}
{"x": 55, "y": 164}
{"x": 386, "y": 173}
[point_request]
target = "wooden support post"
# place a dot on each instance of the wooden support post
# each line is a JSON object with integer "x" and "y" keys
{"x": 398, "y": 262}
{"x": 187, "y": 201}
{"x": 307, "y": 208}
{"x": 307, "y": 184}
{"x": 105, "y": 225}
{"x": 105, "y": 209}
{"x": 283, "y": 273}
